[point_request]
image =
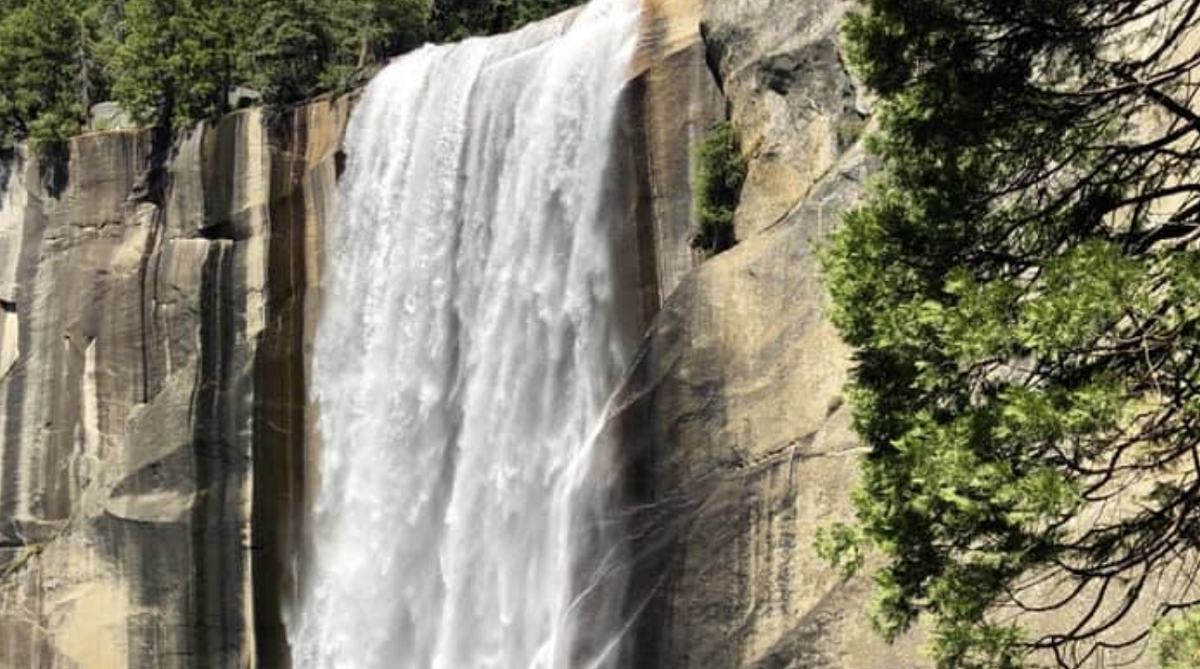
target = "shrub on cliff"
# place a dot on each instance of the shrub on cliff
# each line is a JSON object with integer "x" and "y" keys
{"x": 719, "y": 173}
{"x": 1022, "y": 287}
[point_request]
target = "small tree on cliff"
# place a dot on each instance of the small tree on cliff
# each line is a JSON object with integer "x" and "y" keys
{"x": 720, "y": 173}
{"x": 1023, "y": 289}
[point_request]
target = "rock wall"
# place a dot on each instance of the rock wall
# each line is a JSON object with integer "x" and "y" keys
{"x": 733, "y": 421}
{"x": 153, "y": 391}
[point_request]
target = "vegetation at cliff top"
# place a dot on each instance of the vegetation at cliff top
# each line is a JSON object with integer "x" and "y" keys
{"x": 173, "y": 62}
{"x": 1022, "y": 286}
{"x": 457, "y": 19}
{"x": 720, "y": 172}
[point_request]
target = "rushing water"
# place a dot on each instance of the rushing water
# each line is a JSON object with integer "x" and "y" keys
{"x": 465, "y": 351}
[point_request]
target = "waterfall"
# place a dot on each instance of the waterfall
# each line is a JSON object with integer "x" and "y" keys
{"x": 467, "y": 344}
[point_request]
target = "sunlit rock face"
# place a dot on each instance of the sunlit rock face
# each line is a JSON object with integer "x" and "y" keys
{"x": 782, "y": 69}
{"x": 152, "y": 358}
{"x": 737, "y": 435}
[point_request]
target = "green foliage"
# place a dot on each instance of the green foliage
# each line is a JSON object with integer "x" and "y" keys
{"x": 371, "y": 29}
{"x": 457, "y": 19}
{"x": 1179, "y": 641}
{"x": 1020, "y": 286}
{"x": 841, "y": 545}
{"x": 173, "y": 62}
{"x": 179, "y": 59}
{"x": 363, "y": 32}
{"x": 103, "y": 24}
{"x": 40, "y": 73}
{"x": 289, "y": 47}
{"x": 720, "y": 172}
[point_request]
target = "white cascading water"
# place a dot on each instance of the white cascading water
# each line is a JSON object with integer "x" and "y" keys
{"x": 464, "y": 355}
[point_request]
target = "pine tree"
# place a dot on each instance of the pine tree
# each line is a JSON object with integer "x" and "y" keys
{"x": 458, "y": 19}
{"x": 174, "y": 62}
{"x": 40, "y": 73}
{"x": 1023, "y": 290}
{"x": 180, "y": 59}
{"x": 717, "y": 183}
{"x": 103, "y": 25}
{"x": 287, "y": 50}
{"x": 366, "y": 32}
{"x": 373, "y": 29}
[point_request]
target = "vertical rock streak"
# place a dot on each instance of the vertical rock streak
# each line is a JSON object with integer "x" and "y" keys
{"x": 464, "y": 355}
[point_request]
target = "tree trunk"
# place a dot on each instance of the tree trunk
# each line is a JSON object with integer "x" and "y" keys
{"x": 84, "y": 73}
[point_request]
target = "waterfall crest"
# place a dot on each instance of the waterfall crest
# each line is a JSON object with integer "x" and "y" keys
{"x": 465, "y": 351}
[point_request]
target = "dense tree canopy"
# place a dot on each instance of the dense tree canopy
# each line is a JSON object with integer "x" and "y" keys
{"x": 41, "y": 91}
{"x": 178, "y": 59}
{"x": 290, "y": 50}
{"x": 456, "y": 19}
{"x": 172, "y": 62}
{"x": 1023, "y": 290}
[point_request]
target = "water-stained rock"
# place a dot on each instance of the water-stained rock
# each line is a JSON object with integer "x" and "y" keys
{"x": 791, "y": 96}
{"x": 733, "y": 422}
{"x": 740, "y": 446}
{"x": 153, "y": 412}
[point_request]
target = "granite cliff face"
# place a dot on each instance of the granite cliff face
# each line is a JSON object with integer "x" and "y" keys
{"x": 153, "y": 390}
{"x": 733, "y": 419}
{"x": 157, "y": 312}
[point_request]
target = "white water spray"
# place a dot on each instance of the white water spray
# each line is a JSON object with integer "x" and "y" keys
{"x": 465, "y": 351}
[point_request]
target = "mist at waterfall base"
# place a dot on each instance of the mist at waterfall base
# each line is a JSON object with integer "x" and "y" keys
{"x": 467, "y": 344}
